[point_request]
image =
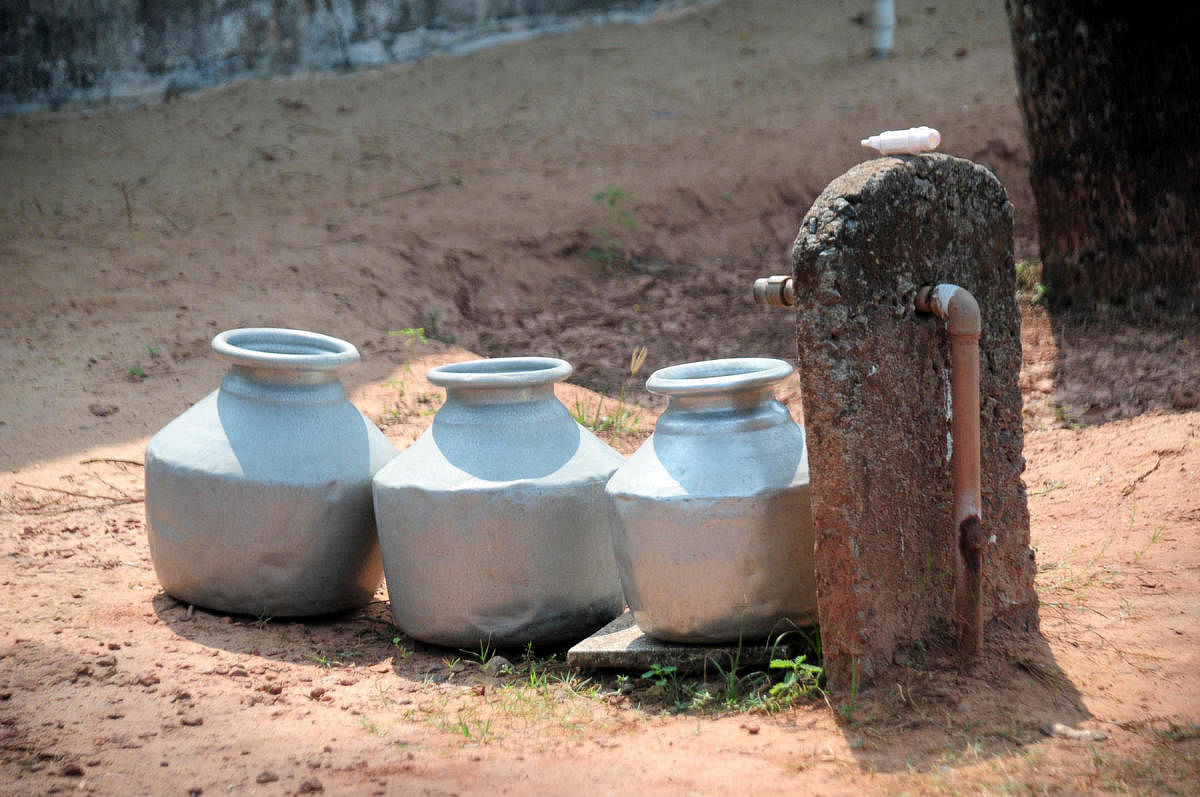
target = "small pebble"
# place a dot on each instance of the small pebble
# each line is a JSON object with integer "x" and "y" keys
{"x": 310, "y": 785}
{"x": 496, "y": 665}
{"x": 1184, "y": 398}
{"x": 266, "y": 776}
{"x": 192, "y": 722}
{"x": 72, "y": 770}
{"x": 1061, "y": 731}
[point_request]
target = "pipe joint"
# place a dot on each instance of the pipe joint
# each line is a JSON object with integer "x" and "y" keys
{"x": 776, "y": 291}
{"x": 954, "y": 304}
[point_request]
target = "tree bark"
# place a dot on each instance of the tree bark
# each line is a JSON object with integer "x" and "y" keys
{"x": 1110, "y": 94}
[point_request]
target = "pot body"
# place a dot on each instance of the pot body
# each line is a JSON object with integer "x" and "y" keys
{"x": 258, "y": 497}
{"x": 712, "y": 524}
{"x": 493, "y": 524}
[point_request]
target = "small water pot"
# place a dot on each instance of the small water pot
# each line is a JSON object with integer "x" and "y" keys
{"x": 493, "y": 524}
{"x": 258, "y": 498}
{"x": 712, "y": 525}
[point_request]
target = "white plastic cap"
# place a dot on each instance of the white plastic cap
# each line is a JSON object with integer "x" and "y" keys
{"x": 908, "y": 142}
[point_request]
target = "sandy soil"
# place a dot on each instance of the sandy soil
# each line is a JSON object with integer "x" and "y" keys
{"x": 456, "y": 194}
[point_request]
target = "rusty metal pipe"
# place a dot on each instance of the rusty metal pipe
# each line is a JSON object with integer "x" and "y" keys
{"x": 961, "y": 312}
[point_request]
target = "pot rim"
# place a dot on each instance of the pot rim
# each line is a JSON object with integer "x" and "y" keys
{"x": 279, "y": 348}
{"x": 715, "y": 377}
{"x": 501, "y": 372}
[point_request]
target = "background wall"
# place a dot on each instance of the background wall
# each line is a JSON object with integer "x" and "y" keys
{"x": 54, "y": 52}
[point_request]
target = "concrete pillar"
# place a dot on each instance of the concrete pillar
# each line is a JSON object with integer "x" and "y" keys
{"x": 876, "y": 386}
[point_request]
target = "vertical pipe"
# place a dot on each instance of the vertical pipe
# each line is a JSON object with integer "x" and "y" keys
{"x": 883, "y": 23}
{"x": 964, "y": 324}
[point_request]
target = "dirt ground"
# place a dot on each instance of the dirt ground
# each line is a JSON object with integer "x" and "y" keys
{"x": 457, "y": 195}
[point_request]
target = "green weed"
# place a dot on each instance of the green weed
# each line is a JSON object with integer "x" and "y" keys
{"x": 401, "y": 650}
{"x": 485, "y": 654}
{"x": 1049, "y": 487}
{"x": 611, "y": 249}
{"x": 432, "y": 330}
{"x": 412, "y": 336}
{"x": 1029, "y": 282}
{"x": 623, "y": 420}
{"x": 787, "y": 679}
{"x": 848, "y": 708}
{"x": 1153, "y": 539}
{"x": 338, "y": 658}
{"x": 666, "y": 679}
{"x": 371, "y": 726}
{"x": 800, "y": 680}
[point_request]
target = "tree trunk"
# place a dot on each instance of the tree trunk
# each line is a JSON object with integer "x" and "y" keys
{"x": 1110, "y": 93}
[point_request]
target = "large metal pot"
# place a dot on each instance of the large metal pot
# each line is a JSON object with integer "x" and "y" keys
{"x": 258, "y": 498}
{"x": 712, "y": 525}
{"x": 493, "y": 524}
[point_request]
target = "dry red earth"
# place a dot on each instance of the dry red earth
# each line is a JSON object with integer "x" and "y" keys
{"x": 455, "y": 194}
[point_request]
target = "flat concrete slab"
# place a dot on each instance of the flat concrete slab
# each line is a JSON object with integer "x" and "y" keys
{"x": 621, "y": 645}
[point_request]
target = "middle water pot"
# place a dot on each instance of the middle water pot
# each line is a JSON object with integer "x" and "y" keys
{"x": 712, "y": 524}
{"x": 493, "y": 525}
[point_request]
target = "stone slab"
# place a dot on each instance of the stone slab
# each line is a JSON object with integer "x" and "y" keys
{"x": 621, "y": 645}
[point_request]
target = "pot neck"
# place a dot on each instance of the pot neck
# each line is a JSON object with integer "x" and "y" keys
{"x": 717, "y": 396}
{"x": 478, "y": 395}
{"x": 284, "y": 365}
{"x": 737, "y": 412}
{"x": 284, "y": 386}
{"x": 731, "y": 401}
{"x": 501, "y": 380}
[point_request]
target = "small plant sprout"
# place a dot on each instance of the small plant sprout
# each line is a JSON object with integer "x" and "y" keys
{"x": 136, "y": 373}
{"x": 1029, "y": 282}
{"x": 485, "y": 653}
{"x": 401, "y": 649}
{"x": 153, "y": 351}
{"x": 666, "y": 679}
{"x": 412, "y": 336}
{"x": 623, "y": 420}
{"x": 612, "y": 248}
{"x": 848, "y": 708}
{"x": 432, "y": 319}
{"x": 799, "y": 680}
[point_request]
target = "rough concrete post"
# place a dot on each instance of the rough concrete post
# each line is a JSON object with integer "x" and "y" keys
{"x": 876, "y": 381}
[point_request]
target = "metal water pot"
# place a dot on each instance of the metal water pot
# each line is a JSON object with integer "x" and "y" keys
{"x": 712, "y": 525}
{"x": 258, "y": 497}
{"x": 493, "y": 524}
